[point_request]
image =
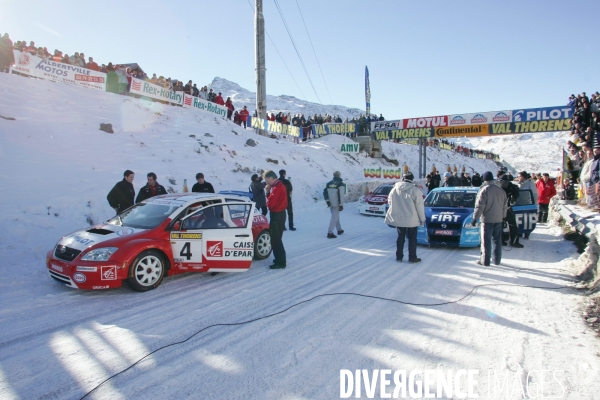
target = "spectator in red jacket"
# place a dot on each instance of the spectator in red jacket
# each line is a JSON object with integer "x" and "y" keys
{"x": 230, "y": 107}
{"x": 92, "y": 65}
{"x": 244, "y": 114}
{"x": 219, "y": 99}
{"x": 546, "y": 191}
{"x": 277, "y": 202}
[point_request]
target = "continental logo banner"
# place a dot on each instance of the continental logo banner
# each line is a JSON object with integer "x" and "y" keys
{"x": 275, "y": 127}
{"x": 469, "y": 130}
{"x": 403, "y": 134}
{"x": 531, "y": 127}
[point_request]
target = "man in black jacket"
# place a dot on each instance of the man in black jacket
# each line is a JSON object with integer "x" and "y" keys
{"x": 151, "y": 189}
{"x": 122, "y": 194}
{"x": 202, "y": 186}
{"x": 512, "y": 194}
{"x": 476, "y": 181}
{"x": 288, "y": 188}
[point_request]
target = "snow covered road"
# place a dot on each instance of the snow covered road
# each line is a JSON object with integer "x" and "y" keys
{"x": 57, "y": 342}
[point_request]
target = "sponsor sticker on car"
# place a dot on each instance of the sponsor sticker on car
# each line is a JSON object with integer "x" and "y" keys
{"x": 109, "y": 273}
{"x": 443, "y": 232}
{"x": 100, "y": 287}
{"x": 79, "y": 277}
{"x": 87, "y": 269}
{"x": 186, "y": 236}
{"x": 214, "y": 249}
{"x": 57, "y": 267}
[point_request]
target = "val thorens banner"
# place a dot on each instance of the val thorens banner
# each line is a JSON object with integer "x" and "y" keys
{"x": 532, "y": 120}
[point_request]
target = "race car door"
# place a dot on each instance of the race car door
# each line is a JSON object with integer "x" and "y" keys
{"x": 525, "y": 212}
{"x": 215, "y": 238}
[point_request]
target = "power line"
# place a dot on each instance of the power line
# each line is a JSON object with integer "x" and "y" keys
{"x": 280, "y": 56}
{"x": 296, "y": 48}
{"x": 313, "y": 47}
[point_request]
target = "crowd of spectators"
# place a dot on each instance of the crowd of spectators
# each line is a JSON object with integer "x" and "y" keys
{"x": 119, "y": 77}
{"x": 581, "y": 169}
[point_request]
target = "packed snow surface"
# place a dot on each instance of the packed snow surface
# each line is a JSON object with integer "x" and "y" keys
{"x": 56, "y": 342}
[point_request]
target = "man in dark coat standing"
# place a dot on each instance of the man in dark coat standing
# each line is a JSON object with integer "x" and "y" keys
{"x": 202, "y": 186}
{"x": 277, "y": 203}
{"x": 512, "y": 194}
{"x": 122, "y": 194}
{"x": 288, "y": 188}
{"x": 490, "y": 206}
{"x": 476, "y": 180}
{"x": 257, "y": 187}
{"x": 151, "y": 189}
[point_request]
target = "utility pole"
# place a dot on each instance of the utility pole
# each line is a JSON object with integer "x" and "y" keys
{"x": 261, "y": 81}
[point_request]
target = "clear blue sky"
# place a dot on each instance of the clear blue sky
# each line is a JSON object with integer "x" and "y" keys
{"x": 425, "y": 57}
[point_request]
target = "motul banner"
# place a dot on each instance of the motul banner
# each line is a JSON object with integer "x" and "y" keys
{"x": 37, "y": 67}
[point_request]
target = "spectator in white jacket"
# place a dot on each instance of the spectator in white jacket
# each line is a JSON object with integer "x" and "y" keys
{"x": 406, "y": 213}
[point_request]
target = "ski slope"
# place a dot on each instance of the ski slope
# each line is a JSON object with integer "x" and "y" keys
{"x": 57, "y": 342}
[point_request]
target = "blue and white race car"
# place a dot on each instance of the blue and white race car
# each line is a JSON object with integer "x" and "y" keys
{"x": 449, "y": 212}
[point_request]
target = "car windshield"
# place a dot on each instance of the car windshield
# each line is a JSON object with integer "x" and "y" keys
{"x": 144, "y": 215}
{"x": 451, "y": 199}
{"x": 383, "y": 190}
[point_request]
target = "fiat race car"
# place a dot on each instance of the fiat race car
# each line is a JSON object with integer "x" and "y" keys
{"x": 376, "y": 202}
{"x": 164, "y": 235}
{"x": 449, "y": 212}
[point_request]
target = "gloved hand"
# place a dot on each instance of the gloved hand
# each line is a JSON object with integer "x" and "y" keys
{"x": 341, "y": 208}
{"x": 474, "y": 223}
{"x": 328, "y": 203}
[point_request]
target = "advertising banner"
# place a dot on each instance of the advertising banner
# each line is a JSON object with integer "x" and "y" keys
{"x": 367, "y": 92}
{"x": 379, "y": 126}
{"x": 37, "y": 67}
{"x": 480, "y": 118}
{"x": 402, "y": 134}
{"x": 339, "y": 129}
{"x": 542, "y": 114}
{"x": 204, "y": 105}
{"x": 531, "y": 127}
{"x": 148, "y": 89}
{"x": 274, "y": 127}
{"x": 349, "y": 148}
{"x": 469, "y": 130}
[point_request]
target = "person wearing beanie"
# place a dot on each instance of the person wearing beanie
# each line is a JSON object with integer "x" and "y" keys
{"x": 406, "y": 213}
{"x": 491, "y": 206}
{"x": 334, "y": 193}
{"x": 449, "y": 180}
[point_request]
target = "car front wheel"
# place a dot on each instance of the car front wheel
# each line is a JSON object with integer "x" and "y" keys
{"x": 262, "y": 246}
{"x": 147, "y": 271}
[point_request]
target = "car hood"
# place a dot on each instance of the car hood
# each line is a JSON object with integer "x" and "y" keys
{"x": 83, "y": 239}
{"x": 451, "y": 215}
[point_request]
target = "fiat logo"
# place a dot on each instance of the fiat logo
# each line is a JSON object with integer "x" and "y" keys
{"x": 444, "y": 225}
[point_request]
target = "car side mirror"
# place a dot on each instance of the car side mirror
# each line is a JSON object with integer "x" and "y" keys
{"x": 177, "y": 226}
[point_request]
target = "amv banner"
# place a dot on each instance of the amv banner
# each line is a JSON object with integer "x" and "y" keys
{"x": 37, "y": 67}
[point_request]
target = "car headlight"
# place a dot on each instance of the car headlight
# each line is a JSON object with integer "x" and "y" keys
{"x": 102, "y": 254}
{"x": 361, "y": 199}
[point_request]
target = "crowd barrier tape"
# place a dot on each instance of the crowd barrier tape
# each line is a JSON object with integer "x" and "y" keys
{"x": 37, "y": 67}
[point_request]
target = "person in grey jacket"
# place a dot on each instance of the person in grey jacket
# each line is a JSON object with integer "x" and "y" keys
{"x": 257, "y": 187}
{"x": 334, "y": 193}
{"x": 406, "y": 213}
{"x": 491, "y": 206}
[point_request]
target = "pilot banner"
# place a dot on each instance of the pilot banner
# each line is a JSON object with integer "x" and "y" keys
{"x": 339, "y": 129}
{"x": 275, "y": 127}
